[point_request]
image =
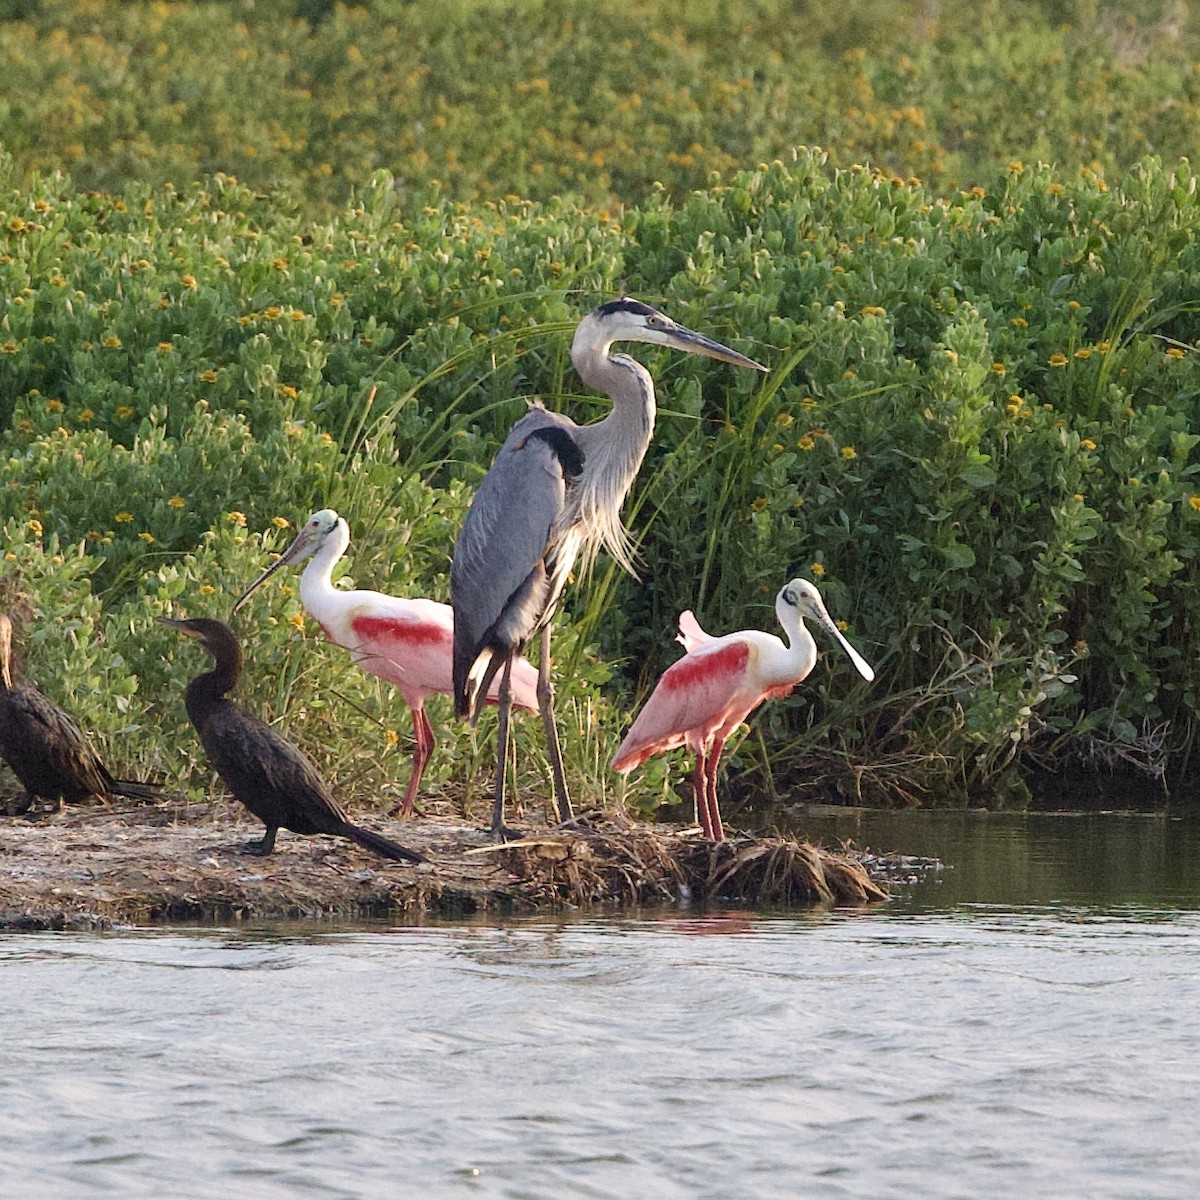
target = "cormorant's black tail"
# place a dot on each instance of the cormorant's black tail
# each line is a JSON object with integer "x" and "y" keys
{"x": 135, "y": 790}
{"x": 368, "y": 839}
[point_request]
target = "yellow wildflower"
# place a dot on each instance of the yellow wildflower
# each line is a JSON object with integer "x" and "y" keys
{"x": 207, "y": 589}
{"x": 297, "y": 621}
{"x": 1020, "y": 322}
{"x": 123, "y": 518}
{"x": 281, "y": 522}
{"x": 177, "y": 502}
{"x": 392, "y": 737}
{"x": 806, "y": 442}
{"x": 1057, "y": 359}
{"x": 1194, "y": 502}
{"x": 998, "y": 368}
{"x": 54, "y": 405}
{"x": 112, "y": 342}
{"x": 209, "y": 376}
{"x": 165, "y": 347}
{"x": 1087, "y": 444}
{"x": 236, "y": 518}
{"x": 146, "y": 537}
{"x": 35, "y": 526}
{"x": 1083, "y": 352}
{"x": 287, "y": 391}
{"x": 87, "y": 415}
{"x": 816, "y": 570}
{"x": 188, "y": 281}
{"x": 1174, "y": 352}
{"x": 123, "y": 412}
{"x": 849, "y": 452}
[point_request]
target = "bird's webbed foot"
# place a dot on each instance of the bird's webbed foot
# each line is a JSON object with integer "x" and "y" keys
{"x": 264, "y": 846}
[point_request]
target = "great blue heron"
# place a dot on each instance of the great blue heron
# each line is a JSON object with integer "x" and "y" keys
{"x": 701, "y": 699}
{"x": 408, "y": 642}
{"x": 552, "y": 495}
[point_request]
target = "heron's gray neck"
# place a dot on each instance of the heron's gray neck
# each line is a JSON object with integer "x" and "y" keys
{"x": 613, "y": 450}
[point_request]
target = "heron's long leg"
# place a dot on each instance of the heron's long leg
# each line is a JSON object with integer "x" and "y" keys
{"x": 716, "y": 829}
{"x": 505, "y": 708}
{"x": 545, "y": 694}
{"x": 425, "y": 742}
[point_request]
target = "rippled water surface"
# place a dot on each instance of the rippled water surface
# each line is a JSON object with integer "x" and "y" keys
{"x": 1003, "y": 1028}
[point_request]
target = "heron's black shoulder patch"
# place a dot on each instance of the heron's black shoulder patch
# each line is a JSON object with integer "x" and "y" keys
{"x": 625, "y": 304}
{"x": 565, "y": 447}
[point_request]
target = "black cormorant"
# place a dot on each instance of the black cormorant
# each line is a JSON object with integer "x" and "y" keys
{"x": 46, "y": 749}
{"x": 269, "y": 775}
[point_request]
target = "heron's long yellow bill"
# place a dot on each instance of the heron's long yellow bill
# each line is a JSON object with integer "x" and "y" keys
{"x": 691, "y": 342}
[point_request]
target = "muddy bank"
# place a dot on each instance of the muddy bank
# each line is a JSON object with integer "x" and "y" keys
{"x": 99, "y": 867}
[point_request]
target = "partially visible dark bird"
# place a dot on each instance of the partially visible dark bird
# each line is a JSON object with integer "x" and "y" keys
{"x": 269, "y": 775}
{"x": 46, "y": 749}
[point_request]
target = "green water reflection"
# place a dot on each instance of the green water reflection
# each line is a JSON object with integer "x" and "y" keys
{"x": 1101, "y": 860}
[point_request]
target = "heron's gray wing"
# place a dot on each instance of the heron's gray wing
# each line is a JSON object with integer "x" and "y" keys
{"x": 499, "y": 586}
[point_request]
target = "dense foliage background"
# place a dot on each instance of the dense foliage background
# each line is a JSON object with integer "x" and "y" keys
{"x": 596, "y": 98}
{"x": 977, "y": 435}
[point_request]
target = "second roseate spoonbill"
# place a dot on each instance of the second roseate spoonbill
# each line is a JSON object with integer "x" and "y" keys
{"x": 554, "y": 493}
{"x": 46, "y": 750}
{"x": 701, "y": 699}
{"x": 263, "y": 770}
{"x": 409, "y": 643}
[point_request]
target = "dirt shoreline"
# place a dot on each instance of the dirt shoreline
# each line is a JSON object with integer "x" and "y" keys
{"x": 101, "y": 867}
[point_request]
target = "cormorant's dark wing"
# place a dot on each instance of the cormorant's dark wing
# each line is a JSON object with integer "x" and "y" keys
{"x": 47, "y": 750}
{"x": 499, "y": 586}
{"x": 270, "y": 776}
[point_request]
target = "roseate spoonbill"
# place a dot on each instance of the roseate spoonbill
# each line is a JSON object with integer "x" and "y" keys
{"x": 263, "y": 770}
{"x": 554, "y": 493}
{"x": 409, "y": 643}
{"x": 46, "y": 749}
{"x": 701, "y": 699}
